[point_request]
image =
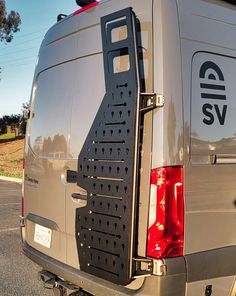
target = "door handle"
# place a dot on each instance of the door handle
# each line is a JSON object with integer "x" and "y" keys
{"x": 79, "y": 196}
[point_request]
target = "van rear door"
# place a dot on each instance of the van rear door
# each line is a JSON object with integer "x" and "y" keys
{"x": 69, "y": 87}
{"x": 46, "y": 150}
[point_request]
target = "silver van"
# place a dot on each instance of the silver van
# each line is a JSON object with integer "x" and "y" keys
{"x": 130, "y": 154}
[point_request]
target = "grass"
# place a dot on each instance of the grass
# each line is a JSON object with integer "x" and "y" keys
{"x": 7, "y": 136}
{"x": 11, "y": 158}
{"x": 15, "y": 161}
{"x": 12, "y": 175}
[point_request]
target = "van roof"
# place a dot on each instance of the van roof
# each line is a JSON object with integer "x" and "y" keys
{"x": 72, "y": 23}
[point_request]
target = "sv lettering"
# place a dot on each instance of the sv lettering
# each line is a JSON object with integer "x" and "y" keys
{"x": 208, "y": 111}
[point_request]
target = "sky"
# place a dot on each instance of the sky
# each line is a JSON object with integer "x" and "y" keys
{"x": 18, "y": 58}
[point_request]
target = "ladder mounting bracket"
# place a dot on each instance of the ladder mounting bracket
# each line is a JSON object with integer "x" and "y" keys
{"x": 146, "y": 267}
{"x": 150, "y": 101}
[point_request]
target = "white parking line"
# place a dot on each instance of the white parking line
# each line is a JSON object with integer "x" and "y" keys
{"x": 9, "y": 190}
{"x": 10, "y": 204}
{"x": 16, "y": 180}
{"x": 4, "y": 191}
{"x": 9, "y": 229}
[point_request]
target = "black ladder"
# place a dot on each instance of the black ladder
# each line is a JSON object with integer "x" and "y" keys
{"x": 108, "y": 162}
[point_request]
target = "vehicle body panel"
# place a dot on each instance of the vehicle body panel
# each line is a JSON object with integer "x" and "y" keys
{"x": 178, "y": 37}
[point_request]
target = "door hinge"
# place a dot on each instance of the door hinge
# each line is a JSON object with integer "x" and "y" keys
{"x": 22, "y": 221}
{"x": 150, "y": 101}
{"x": 146, "y": 267}
{"x": 159, "y": 267}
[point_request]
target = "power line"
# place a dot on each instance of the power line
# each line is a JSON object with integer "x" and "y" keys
{"x": 16, "y": 60}
{"x": 26, "y": 41}
{"x": 31, "y": 33}
{"x": 24, "y": 64}
{"x": 28, "y": 34}
{"x": 17, "y": 51}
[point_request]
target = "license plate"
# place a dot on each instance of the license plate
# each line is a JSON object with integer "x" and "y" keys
{"x": 43, "y": 235}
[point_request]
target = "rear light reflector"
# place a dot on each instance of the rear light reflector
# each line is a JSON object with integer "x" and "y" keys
{"x": 166, "y": 213}
{"x": 22, "y": 194}
{"x": 23, "y": 250}
{"x": 82, "y": 9}
{"x": 22, "y": 206}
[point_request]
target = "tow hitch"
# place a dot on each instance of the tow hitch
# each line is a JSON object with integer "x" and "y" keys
{"x": 59, "y": 286}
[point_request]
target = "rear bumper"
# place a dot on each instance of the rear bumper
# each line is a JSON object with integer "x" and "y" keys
{"x": 172, "y": 284}
{"x": 153, "y": 285}
{"x": 85, "y": 281}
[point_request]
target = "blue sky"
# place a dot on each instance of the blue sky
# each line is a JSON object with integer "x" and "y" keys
{"x": 18, "y": 58}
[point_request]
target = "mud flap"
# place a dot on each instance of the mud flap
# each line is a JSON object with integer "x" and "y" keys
{"x": 108, "y": 162}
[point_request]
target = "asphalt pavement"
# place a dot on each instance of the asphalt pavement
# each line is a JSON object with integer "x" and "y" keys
{"x": 18, "y": 275}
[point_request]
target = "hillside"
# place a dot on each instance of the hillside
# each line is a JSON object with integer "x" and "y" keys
{"x": 11, "y": 158}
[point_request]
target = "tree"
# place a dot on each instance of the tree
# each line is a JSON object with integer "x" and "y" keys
{"x": 23, "y": 121}
{"x": 13, "y": 121}
{"x": 9, "y": 23}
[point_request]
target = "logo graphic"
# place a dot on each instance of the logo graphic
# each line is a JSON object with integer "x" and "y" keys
{"x": 212, "y": 89}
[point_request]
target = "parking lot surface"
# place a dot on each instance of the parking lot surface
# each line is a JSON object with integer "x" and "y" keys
{"x": 18, "y": 275}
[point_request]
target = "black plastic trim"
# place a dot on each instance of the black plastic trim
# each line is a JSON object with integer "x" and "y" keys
{"x": 61, "y": 16}
{"x": 211, "y": 264}
{"x": 42, "y": 221}
{"x": 174, "y": 280}
{"x": 71, "y": 176}
{"x": 231, "y": 1}
{"x": 84, "y": 280}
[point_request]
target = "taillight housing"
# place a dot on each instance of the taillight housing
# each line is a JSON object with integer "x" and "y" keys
{"x": 82, "y": 9}
{"x": 22, "y": 193}
{"x": 166, "y": 213}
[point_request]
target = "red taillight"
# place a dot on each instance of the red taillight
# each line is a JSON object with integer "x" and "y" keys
{"x": 23, "y": 250}
{"x": 166, "y": 213}
{"x": 85, "y": 8}
{"x": 22, "y": 195}
{"x": 22, "y": 206}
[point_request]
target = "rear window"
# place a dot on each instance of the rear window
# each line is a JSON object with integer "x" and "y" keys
{"x": 66, "y": 101}
{"x": 51, "y": 112}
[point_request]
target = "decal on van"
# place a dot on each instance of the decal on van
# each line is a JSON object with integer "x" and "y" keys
{"x": 212, "y": 91}
{"x": 213, "y": 106}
